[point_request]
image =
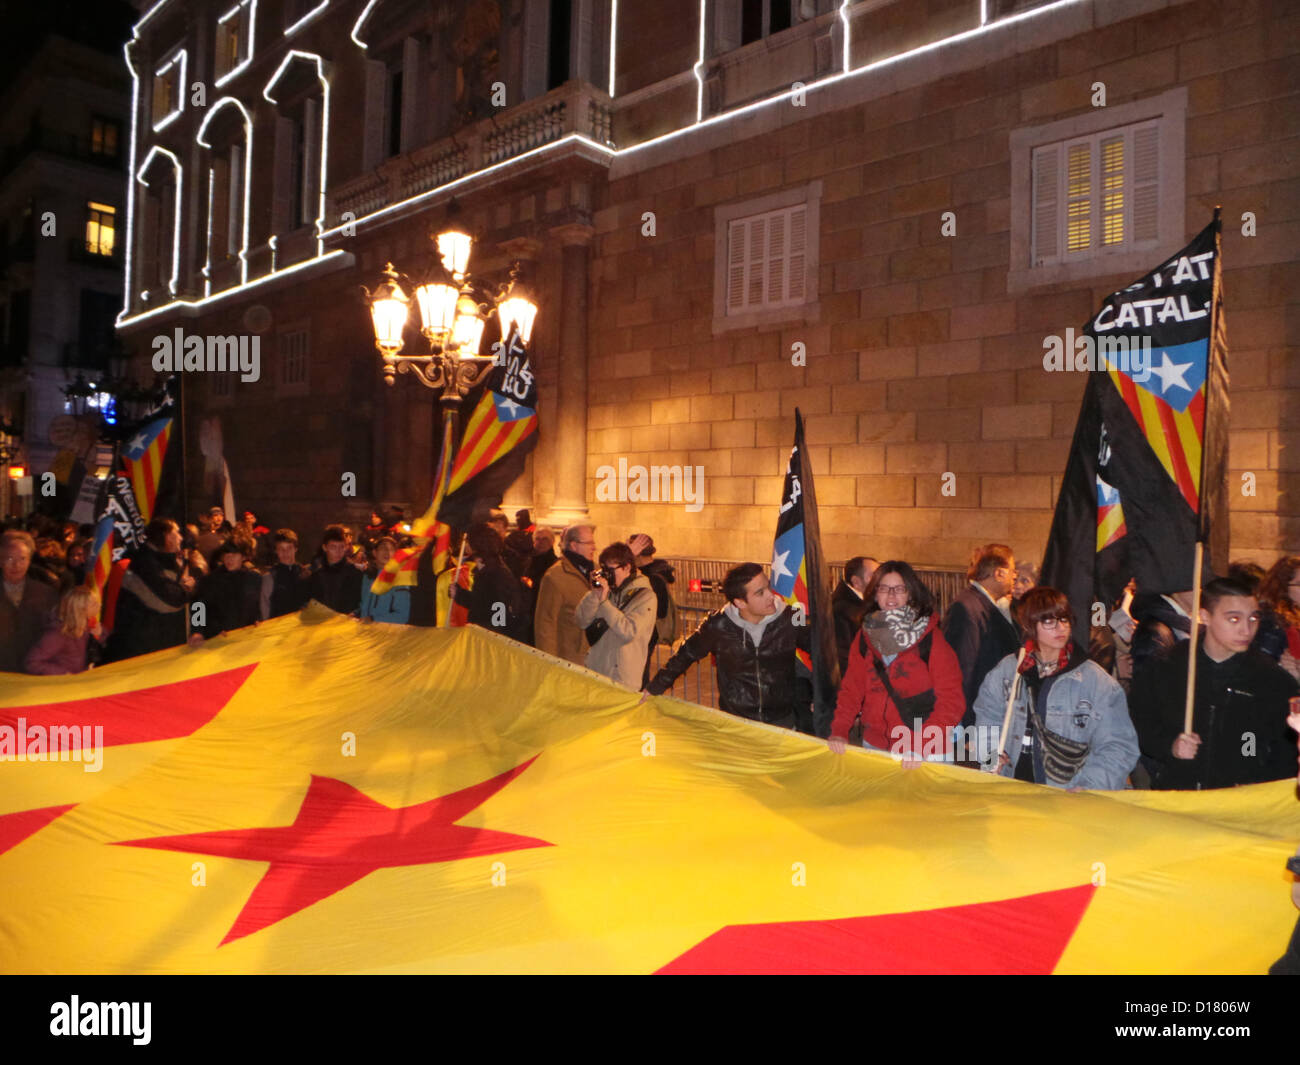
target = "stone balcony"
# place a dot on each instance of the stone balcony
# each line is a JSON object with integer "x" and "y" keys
{"x": 576, "y": 107}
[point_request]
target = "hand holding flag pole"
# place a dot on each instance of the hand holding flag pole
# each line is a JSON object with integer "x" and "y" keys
{"x": 1006, "y": 718}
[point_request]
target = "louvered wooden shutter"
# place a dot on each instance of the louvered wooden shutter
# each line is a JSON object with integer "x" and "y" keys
{"x": 736, "y": 232}
{"x": 1046, "y": 241}
{"x": 1146, "y": 182}
{"x": 795, "y": 274}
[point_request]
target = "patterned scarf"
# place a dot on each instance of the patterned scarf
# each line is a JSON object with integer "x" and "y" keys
{"x": 893, "y": 631}
{"x": 1030, "y": 660}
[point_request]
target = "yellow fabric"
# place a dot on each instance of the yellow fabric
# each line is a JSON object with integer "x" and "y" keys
{"x": 666, "y": 821}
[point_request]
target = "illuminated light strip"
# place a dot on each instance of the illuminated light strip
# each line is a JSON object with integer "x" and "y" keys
{"x": 699, "y": 67}
{"x": 248, "y": 174}
{"x": 324, "y": 130}
{"x": 984, "y": 12}
{"x": 274, "y": 245}
{"x": 442, "y": 189}
{"x": 176, "y": 222}
{"x": 183, "y": 56}
{"x": 307, "y": 17}
{"x": 252, "y": 33}
{"x": 833, "y": 78}
{"x": 844, "y": 20}
{"x": 207, "y": 262}
{"x": 613, "y": 36}
{"x": 130, "y": 185}
{"x": 177, "y": 305}
{"x": 356, "y": 27}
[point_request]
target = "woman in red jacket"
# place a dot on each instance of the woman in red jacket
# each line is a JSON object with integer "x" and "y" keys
{"x": 901, "y": 671}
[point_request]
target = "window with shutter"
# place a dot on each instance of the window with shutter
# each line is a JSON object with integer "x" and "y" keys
{"x": 1096, "y": 193}
{"x": 293, "y": 351}
{"x": 765, "y": 265}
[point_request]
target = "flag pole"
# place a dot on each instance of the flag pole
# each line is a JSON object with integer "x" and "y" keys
{"x": 1202, "y": 532}
{"x": 455, "y": 579}
{"x": 1006, "y": 718}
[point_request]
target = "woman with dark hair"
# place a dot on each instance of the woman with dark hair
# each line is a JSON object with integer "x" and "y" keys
{"x": 1279, "y": 614}
{"x": 1070, "y": 725}
{"x": 902, "y": 673}
{"x": 156, "y": 589}
{"x": 497, "y": 600}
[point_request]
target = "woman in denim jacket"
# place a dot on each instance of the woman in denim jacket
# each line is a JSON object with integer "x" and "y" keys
{"x": 1071, "y": 711}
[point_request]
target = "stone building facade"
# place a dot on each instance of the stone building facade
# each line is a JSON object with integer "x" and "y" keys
{"x": 874, "y": 212}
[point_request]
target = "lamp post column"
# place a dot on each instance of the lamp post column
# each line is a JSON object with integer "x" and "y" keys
{"x": 570, "y": 499}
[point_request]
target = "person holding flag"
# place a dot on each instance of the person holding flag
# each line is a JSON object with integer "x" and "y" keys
{"x": 753, "y": 640}
{"x": 799, "y": 577}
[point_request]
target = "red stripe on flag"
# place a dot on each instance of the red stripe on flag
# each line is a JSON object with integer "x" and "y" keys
{"x": 164, "y": 712}
{"x": 1182, "y": 475}
{"x": 16, "y": 827}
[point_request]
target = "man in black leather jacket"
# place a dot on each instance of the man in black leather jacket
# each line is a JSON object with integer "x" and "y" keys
{"x": 754, "y": 639}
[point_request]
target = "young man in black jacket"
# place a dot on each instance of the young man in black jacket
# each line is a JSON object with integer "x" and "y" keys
{"x": 1239, "y": 729}
{"x": 284, "y": 585}
{"x": 754, "y": 639}
{"x": 337, "y": 584}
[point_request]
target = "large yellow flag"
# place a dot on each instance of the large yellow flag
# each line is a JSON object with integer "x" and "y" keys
{"x": 322, "y": 795}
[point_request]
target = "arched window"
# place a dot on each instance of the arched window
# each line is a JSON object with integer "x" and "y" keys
{"x": 160, "y": 178}
{"x": 227, "y": 134}
{"x": 299, "y": 90}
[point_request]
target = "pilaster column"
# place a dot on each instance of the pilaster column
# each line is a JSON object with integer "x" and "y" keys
{"x": 570, "y": 500}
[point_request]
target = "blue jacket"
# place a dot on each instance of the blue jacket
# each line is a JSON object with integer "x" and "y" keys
{"x": 393, "y": 606}
{"x": 1084, "y": 704}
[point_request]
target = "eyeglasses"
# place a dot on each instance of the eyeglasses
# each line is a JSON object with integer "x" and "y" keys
{"x": 1051, "y": 623}
{"x": 892, "y": 590}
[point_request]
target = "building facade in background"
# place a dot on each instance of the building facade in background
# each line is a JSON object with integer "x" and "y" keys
{"x": 875, "y": 212}
{"x": 63, "y": 124}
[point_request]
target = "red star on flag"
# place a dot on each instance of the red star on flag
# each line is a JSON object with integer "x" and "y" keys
{"x": 339, "y": 836}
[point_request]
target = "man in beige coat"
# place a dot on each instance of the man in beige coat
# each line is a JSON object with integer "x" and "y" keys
{"x": 626, "y": 602}
{"x": 563, "y": 586}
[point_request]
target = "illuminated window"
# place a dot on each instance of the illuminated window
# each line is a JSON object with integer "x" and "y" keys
{"x": 1092, "y": 195}
{"x": 104, "y": 137}
{"x": 101, "y": 226}
{"x": 1096, "y": 193}
{"x": 234, "y": 30}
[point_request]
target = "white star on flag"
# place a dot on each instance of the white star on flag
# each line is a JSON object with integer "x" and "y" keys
{"x": 1171, "y": 373}
{"x": 778, "y": 566}
{"x": 510, "y": 406}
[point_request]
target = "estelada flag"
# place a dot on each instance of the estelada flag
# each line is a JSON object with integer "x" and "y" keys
{"x": 253, "y": 807}
{"x": 497, "y": 439}
{"x": 799, "y": 577}
{"x": 1147, "y": 473}
{"x": 127, "y": 500}
{"x": 403, "y": 568}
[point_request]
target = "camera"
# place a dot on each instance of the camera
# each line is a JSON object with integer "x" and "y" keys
{"x": 596, "y": 579}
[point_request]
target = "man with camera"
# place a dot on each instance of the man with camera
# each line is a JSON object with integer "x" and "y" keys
{"x": 626, "y": 603}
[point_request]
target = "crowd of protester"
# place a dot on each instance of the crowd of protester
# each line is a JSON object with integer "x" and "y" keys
{"x": 1102, "y": 709}
{"x": 1098, "y": 710}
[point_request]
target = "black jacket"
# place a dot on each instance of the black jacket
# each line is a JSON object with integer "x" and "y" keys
{"x": 230, "y": 600}
{"x": 753, "y": 682}
{"x": 1160, "y": 628}
{"x": 284, "y": 589}
{"x": 495, "y": 582}
{"x": 982, "y": 636}
{"x": 337, "y": 586}
{"x": 151, "y": 606}
{"x": 1240, "y": 714}
{"x": 848, "y": 608}
{"x": 21, "y": 626}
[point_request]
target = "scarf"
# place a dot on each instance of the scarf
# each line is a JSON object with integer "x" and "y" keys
{"x": 585, "y": 566}
{"x": 893, "y": 631}
{"x": 1031, "y": 657}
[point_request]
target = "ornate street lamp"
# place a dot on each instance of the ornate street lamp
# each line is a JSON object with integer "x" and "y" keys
{"x": 453, "y": 312}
